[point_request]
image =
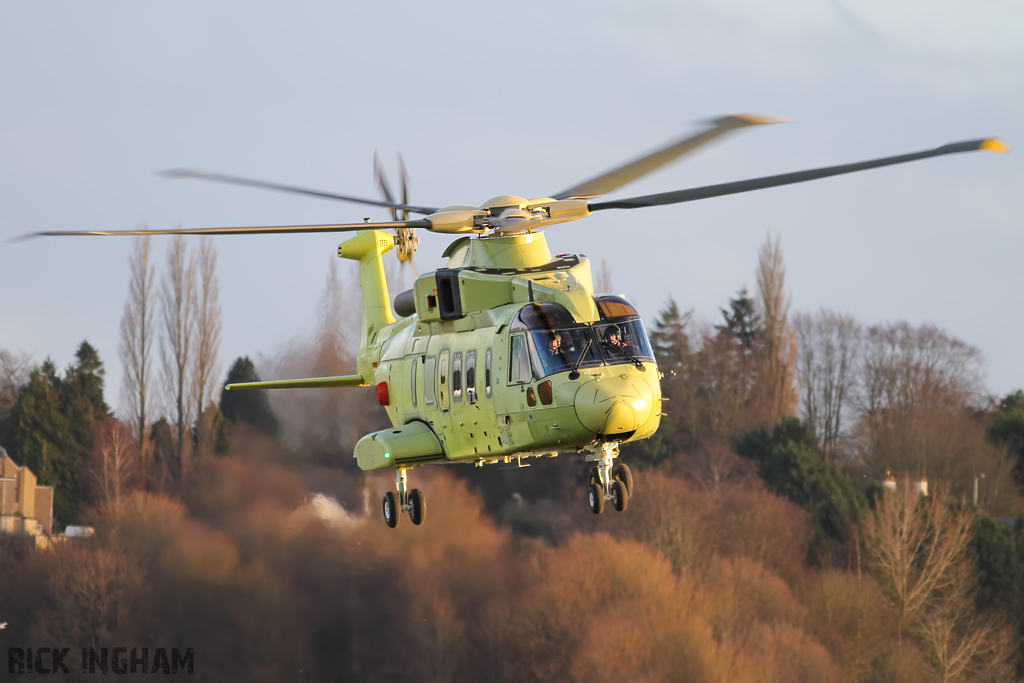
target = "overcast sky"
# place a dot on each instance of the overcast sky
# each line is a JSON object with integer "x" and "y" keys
{"x": 526, "y": 98}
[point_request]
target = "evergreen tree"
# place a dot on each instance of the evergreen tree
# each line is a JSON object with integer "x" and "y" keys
{"x": 999, "y": 560}
{"x": 1008, "y": 429}
{"x": 249, "y": 407}
{"x": 789, "y": 463}
{"x": 672, "y": 349}
{"x": 165, "y": 464}
{"x": 670, "y": 340}
{"x": 82, "y": 395}
{"x": 741, "y": 320}
{"x": 52, "y": 423}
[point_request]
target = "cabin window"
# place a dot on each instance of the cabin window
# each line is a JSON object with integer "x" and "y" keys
{"x": 412, "y": 380}
{"x": 442, "y": 383}
{"x": 471, "y": 376}
{"x": 487, "y": 373}
{"x": 457, "y": 377}
{"x": 519, "y": 360}
{"x": 428, "y": 380}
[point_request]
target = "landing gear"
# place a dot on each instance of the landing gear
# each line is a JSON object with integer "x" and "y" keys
{"x": 596, "y": 499}
{"x": 608, "y": 482}
{"x": 621, "y": 473}
{"x": 413, "y": 502}
{"x": 619, "y": 496}
{"x": 392, "y": 510}
{"x": 417, "y": 507}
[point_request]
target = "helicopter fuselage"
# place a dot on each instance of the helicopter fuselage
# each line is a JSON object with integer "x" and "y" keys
{"x": 507, "y": 353}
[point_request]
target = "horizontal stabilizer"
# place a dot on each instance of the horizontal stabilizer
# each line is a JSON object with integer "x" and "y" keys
{"x": 314, "y": 383}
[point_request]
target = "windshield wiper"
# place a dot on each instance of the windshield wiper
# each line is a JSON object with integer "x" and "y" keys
{"x": 636, "y": 361}
{"x": 575, "y": 374}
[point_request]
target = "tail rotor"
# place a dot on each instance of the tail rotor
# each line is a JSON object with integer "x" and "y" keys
{"x": 406, "y": 239}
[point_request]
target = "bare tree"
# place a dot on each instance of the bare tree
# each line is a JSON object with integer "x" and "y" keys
{"x": 137, "y": 336}
{"x": 917, "y": 392}
{"x": 324, "y": 417}
{"x": 826, "y": 370}
{"x": 603, "y": 281}
{"x": 917, "y": 544}
{"x": 14, "y": 374}
{"x": 906, "y": 368}
{"x": 713, "y": 465}
{"x": 176, "y": 347}
{"x": 959, "y": 642}
{"x": 115, "y": 461}
{"x": 778, "y": 341}
{"x": 206, "y": 367}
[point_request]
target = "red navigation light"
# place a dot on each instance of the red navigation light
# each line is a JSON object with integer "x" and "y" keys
{"x": 382, "y": 394}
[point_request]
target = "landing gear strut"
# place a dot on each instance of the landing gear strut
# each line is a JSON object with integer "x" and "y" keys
{"x": 609, "y": 481}
{"x": 413, "y": 502}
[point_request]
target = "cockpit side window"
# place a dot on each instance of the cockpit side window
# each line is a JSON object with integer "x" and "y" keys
{"x": 429, "y": 379}
{"x": 519, "y": 360}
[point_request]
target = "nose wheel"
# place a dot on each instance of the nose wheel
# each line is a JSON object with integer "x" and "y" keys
{"x": 413, "y": 502}
{"x": 608, "y": 481}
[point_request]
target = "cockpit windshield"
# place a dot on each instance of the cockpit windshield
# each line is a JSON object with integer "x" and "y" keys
{"x": 624, "y": 341}
{"x": 558, "y": 341}
{"x": 559, "y": 350}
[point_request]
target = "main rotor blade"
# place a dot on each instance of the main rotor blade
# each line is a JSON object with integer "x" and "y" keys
{"x": 616, "y": 178}
{"x": 679, "y": 196}
{"x": 260, "y": 230}
{"x": 235, "y": 180}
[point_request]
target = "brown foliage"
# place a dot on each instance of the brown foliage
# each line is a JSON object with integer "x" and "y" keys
{"x": 852, "y": 619}
{"x": 601, "y": 609}
{"x": 689, "y": 585}
{"x": 689, "y": 526}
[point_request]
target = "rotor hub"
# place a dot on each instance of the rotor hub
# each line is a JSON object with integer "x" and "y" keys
{"x": 406, "y": 243}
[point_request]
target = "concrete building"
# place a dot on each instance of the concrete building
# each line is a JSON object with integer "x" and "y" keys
{"x": 25, "y": 507}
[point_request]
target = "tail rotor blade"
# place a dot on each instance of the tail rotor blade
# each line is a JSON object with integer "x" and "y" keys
{"x": 382, "y": 184}
{"x": 405, "y": 185}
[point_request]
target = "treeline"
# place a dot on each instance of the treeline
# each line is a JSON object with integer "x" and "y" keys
{"x": 762, "y": 544}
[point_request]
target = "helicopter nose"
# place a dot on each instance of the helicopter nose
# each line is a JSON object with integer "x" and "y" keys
{"x": 614, "y": 405}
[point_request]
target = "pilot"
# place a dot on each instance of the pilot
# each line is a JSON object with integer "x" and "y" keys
{"x": 613, "y": 337}
{"x": 555, "y": 346}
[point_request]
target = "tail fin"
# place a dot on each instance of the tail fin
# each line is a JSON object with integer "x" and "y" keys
{"x": 367, "y": 247}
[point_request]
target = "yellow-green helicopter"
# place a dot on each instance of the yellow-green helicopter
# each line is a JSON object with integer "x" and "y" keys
{"x": 507, "y": 352}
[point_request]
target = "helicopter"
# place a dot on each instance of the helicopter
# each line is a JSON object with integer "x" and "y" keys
{"x": 507, "y": 352}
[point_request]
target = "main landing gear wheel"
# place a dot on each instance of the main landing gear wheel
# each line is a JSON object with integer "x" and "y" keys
{"x": 413, "y": 502}
{"x": 596, "y": 499}
{"x": 392, "y": 509}
{"x": 417, "y": 507}
{"x": 619, "y": 496}
{"x": 609, "y": 481}
{"x": 621, "y": 473}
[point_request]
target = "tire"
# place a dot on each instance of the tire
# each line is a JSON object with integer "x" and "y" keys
{"x": 595, "y": 476}
{"x": 596, "y": 497}
{"x": 621, "y": 473}
{"x": 392, "y": 510}
{"x": 620, "y": 498}
{"x": 418, "y": 513}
